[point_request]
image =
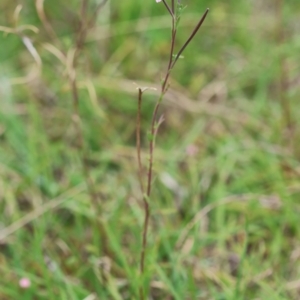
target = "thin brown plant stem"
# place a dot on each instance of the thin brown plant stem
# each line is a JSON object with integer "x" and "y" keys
{"x": 173, "y": 38}
{"x": 170, "y": 65}
{"x": 168, "y": 7}
{"x": 151, "y": 147}
{"x": 138, "y": 140}
{"x": 173, "y": 7}
{"x": 191, "y": 36}
{"x": 151, "y": 155}
{"x": 154, "y": 130}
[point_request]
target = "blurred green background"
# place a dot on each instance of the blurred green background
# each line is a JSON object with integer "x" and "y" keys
{"x": 225, "y": 204}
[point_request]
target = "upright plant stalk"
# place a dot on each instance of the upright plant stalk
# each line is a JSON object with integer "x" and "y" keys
{"x": 174, "y": 11}
{"x": 70, "y": 60}
{"x": 71, "y": 64}
{"x": 138, "y": 140}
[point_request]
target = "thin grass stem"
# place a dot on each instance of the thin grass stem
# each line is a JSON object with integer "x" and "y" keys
{"x": 168, "y": 7}
{"x": 191, "y": 37}
{"x": 138, "y": 140}
{"x": 154, "y": 130}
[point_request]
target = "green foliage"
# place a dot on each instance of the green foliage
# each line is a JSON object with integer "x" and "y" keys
{"x": 225, "y": 203}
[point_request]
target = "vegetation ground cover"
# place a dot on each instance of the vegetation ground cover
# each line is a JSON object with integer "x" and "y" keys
{"x": 225, "y": 203}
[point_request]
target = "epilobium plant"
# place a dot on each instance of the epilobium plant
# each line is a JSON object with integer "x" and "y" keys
{"x": 175, "y": 11}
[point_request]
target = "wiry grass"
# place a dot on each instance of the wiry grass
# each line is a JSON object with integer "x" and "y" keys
{"x": 224, "y": 223}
